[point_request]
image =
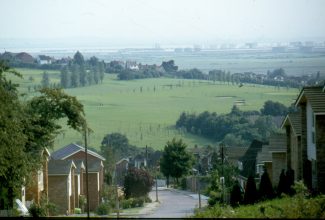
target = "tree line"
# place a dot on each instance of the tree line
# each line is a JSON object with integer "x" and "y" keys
{"x": 80, "y": 73}
{"x": 237, "y": 128}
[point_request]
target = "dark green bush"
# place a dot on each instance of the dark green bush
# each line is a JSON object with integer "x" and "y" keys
{"x": 126, "y": 203}
{"x": 36, "y": 211}
{"x": 103, "y": 209}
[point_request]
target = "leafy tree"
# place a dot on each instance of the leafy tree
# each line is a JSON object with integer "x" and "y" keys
{"x": 137, "y": 183}
{"x": 235, "y": 111}
{"x": 266, "y": 189}
{"x": 101, "y": 69}
{"x": 265, "y": 127}
{"x": 75, "y": 76}
{"x": 28, "y": 127}
{"x": 96, "y": 74}
{"x": 93, "y": 61}
{"x": 45, "y": 80}
{"x": 175, "y": 161}
{"x": 250, "y": 195}
{"x": 169, "y": 66}
{"x": 78, "y": 58}
{"x": 274, "y": 108}
{"x": 214, "y": 188}
{"x": 114, "y": 147}
{"x": 65, "y": 78}
{"x": 276, "y": 73}
{"x": 83, "y": 76}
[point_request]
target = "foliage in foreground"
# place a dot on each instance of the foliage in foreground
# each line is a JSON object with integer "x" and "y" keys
{"x": 27, "y": 127}
{"x": 298, "y": 206}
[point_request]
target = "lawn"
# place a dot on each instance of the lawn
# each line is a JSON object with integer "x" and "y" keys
{"x": 146, "y": 110}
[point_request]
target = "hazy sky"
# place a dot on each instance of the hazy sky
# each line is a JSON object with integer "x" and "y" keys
{"x": 163, "y": 21}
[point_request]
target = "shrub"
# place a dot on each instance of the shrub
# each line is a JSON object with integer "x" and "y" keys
{"x": 134, "y": 202}
{"x": 183, "y": 183}
{"x": 266, "y": 189}
{"x": 36, "y": 211}
{"x": 137, "y": 183}
{"x": 147, "y": 199}
{"x": 126, "y": 203}
{"x": 82, "y": 202}
{"x": 250, "y": 195}
{"x": 103, "y": 209}
{"x": 77, "y": 210}
{"x": 235, "y": 195}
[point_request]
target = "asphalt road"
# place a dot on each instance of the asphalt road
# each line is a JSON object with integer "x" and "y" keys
{"x": 174, "y": 204}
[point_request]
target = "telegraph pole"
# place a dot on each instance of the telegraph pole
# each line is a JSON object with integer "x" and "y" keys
{"x": 86, "y": 162}
{"x": 222, "y": 173}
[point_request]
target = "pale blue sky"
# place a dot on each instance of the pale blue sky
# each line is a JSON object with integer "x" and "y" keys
{"x": 163, "y": 21}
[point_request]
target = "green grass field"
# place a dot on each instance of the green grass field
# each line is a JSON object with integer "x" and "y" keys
{"x": 148, "y": 117}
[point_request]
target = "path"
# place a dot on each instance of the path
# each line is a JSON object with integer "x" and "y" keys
{"x": 172, "y": 204}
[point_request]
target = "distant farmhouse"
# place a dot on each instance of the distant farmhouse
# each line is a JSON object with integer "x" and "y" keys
{"x": 43, "y": 59}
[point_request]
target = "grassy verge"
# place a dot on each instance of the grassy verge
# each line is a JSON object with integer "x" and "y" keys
{"x": 287, "y": 207}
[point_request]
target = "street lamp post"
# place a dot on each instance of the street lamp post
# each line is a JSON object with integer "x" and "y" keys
{"x": 86, "y": 163}
{"x": 222, "y": 145}
{"x": 157, "y": 183}
{"x": 197, "y": 184}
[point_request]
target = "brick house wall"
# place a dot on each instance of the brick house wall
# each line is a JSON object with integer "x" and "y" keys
{"x": 279, "y": 162}
{"x": 320, "y": 152}
{"x": 58, "y": 193}
{"x": 77, "y": 187}
{"x": 81, "y": 156}
{"x": 296, "y": 156}
{"x": 93, "y": 185}
{"x": 38, "y": 187}
{"x": 72, "y": 197}
{"x": 268, "y": 167}
{"x": 45, "y": 177}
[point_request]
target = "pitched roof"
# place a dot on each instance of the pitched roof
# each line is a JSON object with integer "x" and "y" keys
{"x": 315, "y": 95}
{"x": 80, "y": 165}
{"x": 94, "y": 165}
{"x": 249, "y": 158}
{"x": 60, "y": 167}
{"x": 264, "y": 155}
{"x": 25, "y": 57}
{"x": 234, "y": 153}
{"x": 278, "y": 143}
{"x": 293, "y": 119}
{"x": 71, "y": 149}
{"x": 122, "y": 160}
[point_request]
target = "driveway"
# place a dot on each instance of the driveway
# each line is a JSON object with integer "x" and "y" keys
{"x": 173, "y": 204}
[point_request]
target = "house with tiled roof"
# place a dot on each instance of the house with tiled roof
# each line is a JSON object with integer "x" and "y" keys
{"x": 121, "y": 168}
{"x": 295, "y": 152}
{"x": 311, "y": 102}
{"x": 61, "y": 185}
{"x": 247, "y": 163}
{"x": 79, "y": 179}
{"x": 38, "y": 187}
{"x": 76, "y": 152}
{"x": 232, "y": 154}
{"x": 272, "y": 157}
{"x": 43, "y": 59}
